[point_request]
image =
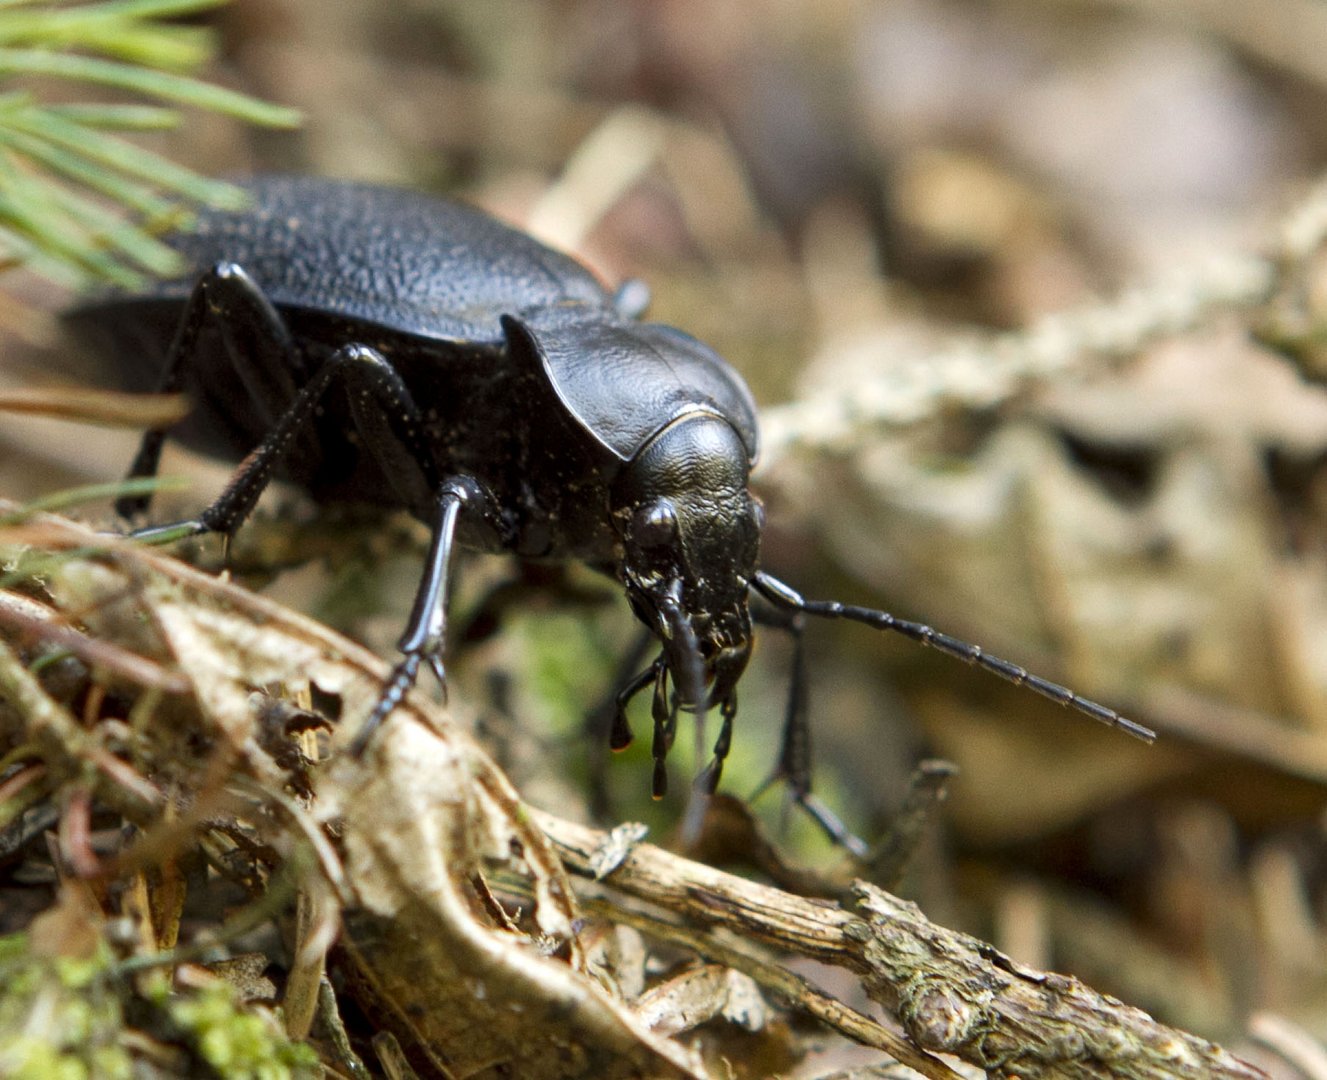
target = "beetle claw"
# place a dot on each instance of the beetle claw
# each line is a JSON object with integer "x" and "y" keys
{"x": 440, "y": 673}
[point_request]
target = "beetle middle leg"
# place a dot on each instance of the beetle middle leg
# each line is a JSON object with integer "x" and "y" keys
{"x": 391, "y": 430}
{"x": 426, "y": 631}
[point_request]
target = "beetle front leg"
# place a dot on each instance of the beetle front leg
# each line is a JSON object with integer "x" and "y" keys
{"x": 794, "y": 763}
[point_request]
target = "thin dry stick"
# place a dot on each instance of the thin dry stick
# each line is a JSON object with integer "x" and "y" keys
{"x": 952, "y": 993}
{"x": 985, "y": 372}
{"x": 16, "y": 613}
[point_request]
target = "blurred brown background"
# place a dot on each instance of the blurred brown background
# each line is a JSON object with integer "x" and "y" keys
{"x": 871, "y": 207}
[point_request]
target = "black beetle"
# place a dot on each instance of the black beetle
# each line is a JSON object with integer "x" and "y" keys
{"x": 496, "y": 390}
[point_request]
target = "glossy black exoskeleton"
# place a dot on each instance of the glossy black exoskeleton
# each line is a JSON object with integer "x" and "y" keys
{"x": 375, "y": 345}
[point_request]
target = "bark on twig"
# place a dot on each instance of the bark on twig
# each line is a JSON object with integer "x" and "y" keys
{"x": 956, "y": 994}
{"x": 952, "y": 993}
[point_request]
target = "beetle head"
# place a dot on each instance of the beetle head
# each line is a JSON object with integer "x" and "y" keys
{"x": 690, "y": 533}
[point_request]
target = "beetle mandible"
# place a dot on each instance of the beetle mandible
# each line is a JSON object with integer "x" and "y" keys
{"x": 376, "y": 345}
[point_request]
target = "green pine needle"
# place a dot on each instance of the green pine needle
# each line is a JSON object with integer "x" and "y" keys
{"x": 141, "y": 80}
{"x": 67, "y": 176}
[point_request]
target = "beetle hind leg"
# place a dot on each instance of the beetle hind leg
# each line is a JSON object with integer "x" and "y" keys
{"x": 256, "y": 342}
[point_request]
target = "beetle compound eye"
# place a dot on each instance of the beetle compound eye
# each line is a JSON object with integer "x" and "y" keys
{"x": 655, "y": 525}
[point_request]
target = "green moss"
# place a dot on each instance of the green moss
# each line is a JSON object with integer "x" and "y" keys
{"x": 66, "y": 1019}
{"x": 238, "y": 1043}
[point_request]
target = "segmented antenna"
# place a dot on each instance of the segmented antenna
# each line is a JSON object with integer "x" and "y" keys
{"x": 784, "y": 596}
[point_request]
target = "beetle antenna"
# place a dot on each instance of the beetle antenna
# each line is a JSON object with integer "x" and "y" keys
{"x": 788, "y": 598}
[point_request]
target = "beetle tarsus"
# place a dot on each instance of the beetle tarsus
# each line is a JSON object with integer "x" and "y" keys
{"x": 833, "y": 827}
{"x": 403, "y": 677}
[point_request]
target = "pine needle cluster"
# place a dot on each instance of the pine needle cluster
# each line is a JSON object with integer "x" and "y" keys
{"x": 80, "y": 201}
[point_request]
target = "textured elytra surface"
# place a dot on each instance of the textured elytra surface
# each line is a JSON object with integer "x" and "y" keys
{"x": 388, "y": 256}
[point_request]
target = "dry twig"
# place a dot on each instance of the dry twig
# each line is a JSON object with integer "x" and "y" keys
{"x": 953, "y": 993}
